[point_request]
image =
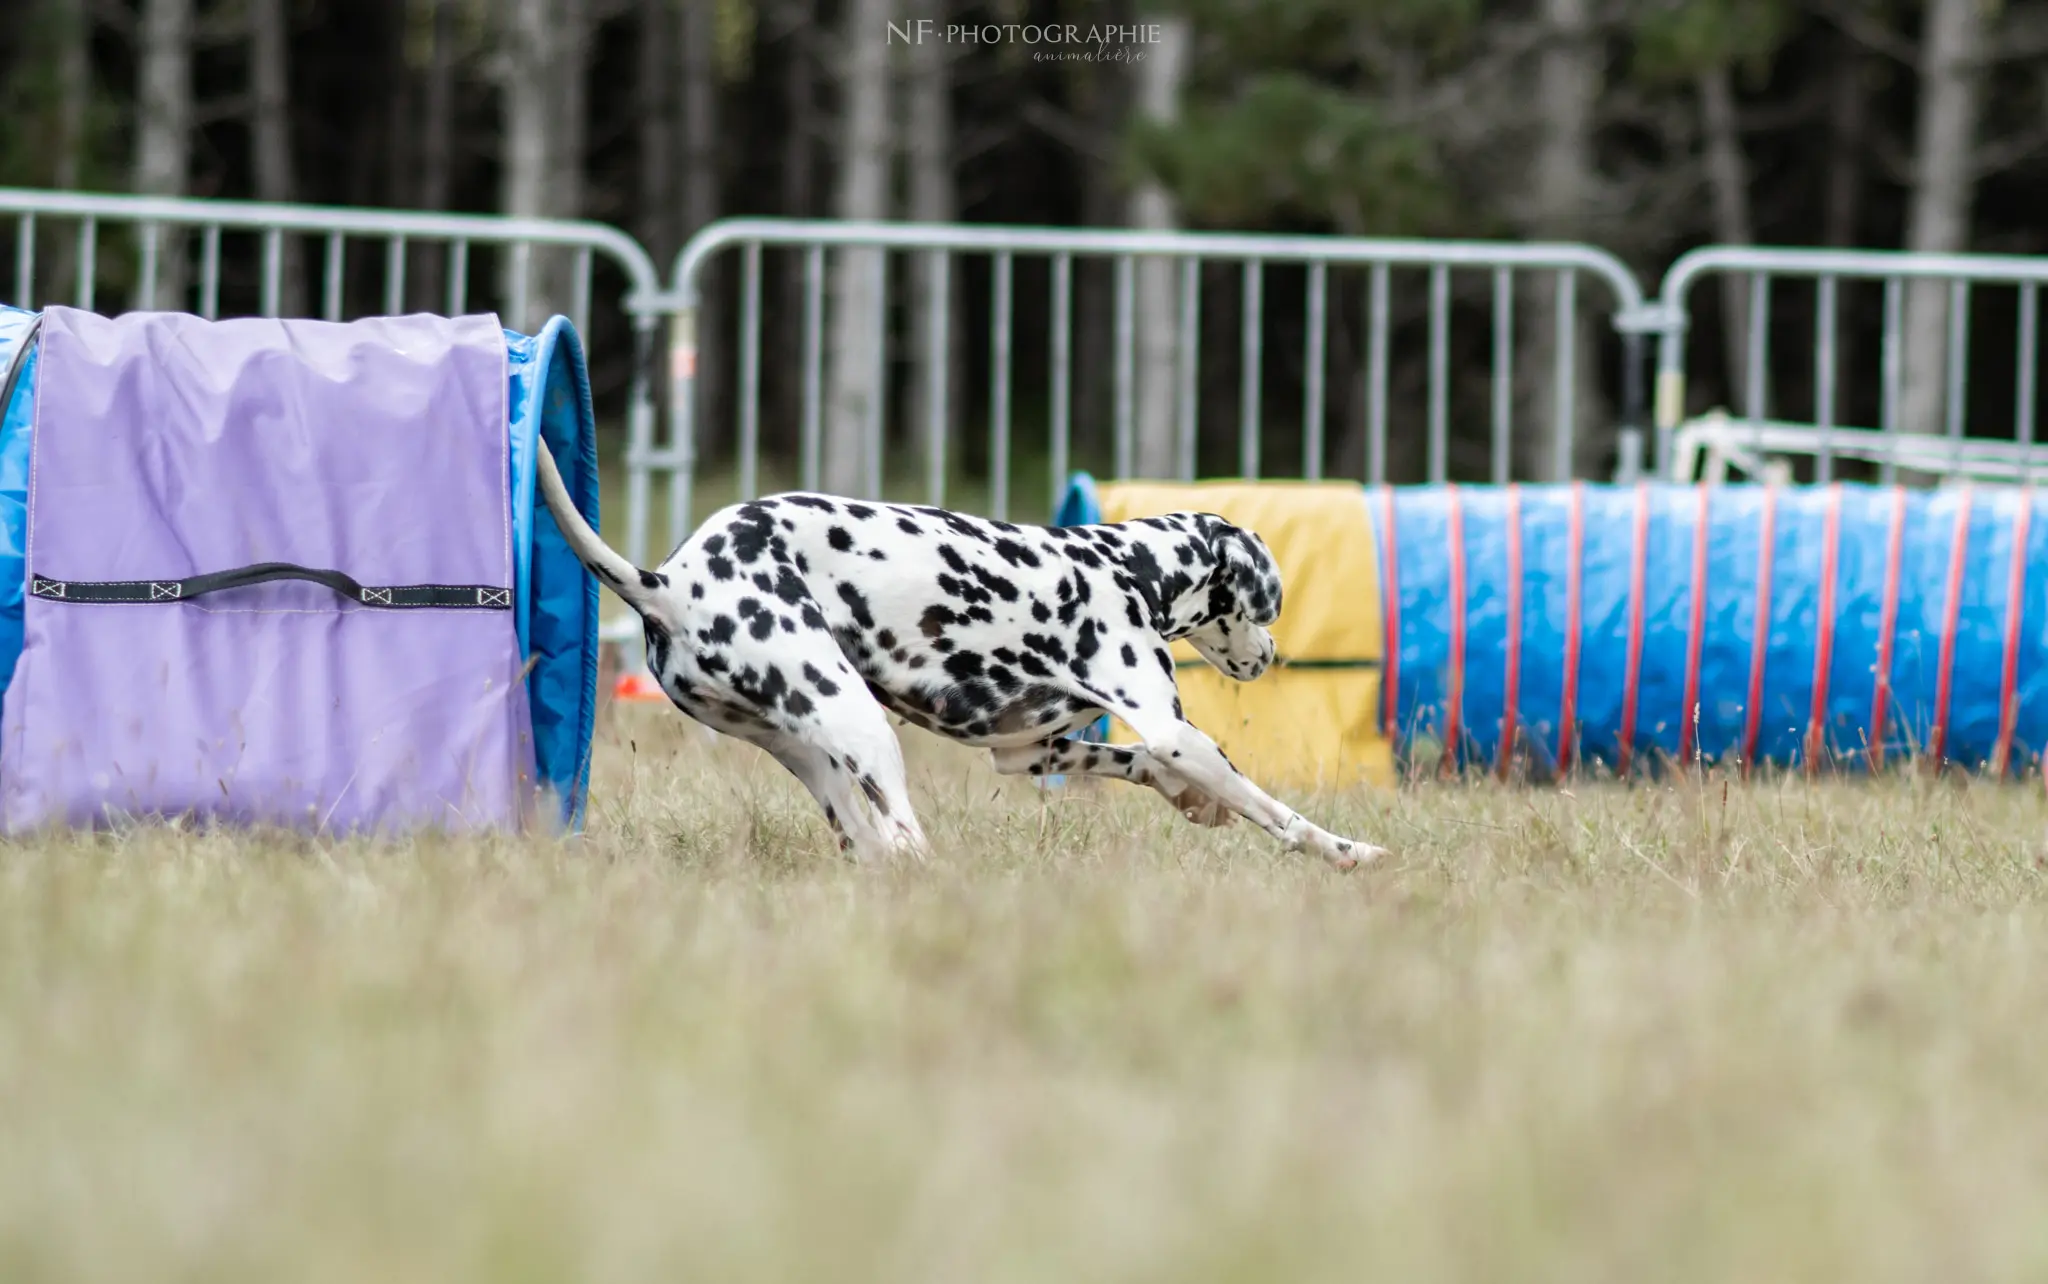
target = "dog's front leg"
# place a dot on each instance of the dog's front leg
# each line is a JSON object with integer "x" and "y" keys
{"x": 1183, "y": 748}
{"x": 1134, "y": 763}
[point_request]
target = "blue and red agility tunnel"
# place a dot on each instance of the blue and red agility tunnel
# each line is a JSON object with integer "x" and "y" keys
{"x": 1557, "y": 626}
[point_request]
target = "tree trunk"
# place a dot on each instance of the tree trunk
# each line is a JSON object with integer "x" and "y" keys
{"x": 699, "y": 207}
{"x": 1848, "y": 125}
{"x": 437, "y": 142}
{"x": 163, "y": 129}
{"x": 541, "y": 89}
{"x": 1842, "y": 216}
{"x": 856, "y": 391}
{"x": 73, "y": 32}
{"x": 656, "y": 109}
{"x": 797, "y": 181}
{"x": 1944, "y": 179}
{"x": 1100, "y": 105}
{"x": 271, "y": 125}
{"x": 1728, "y": 182}
{"x": 72, "y": 29}
{"x": 1161, "y": 76}
{"x": 1568, "y": 81}
{"x": 928, "y": 142}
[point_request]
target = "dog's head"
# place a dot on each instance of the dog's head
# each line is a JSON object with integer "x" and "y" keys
{"x": 1219, "y": 589}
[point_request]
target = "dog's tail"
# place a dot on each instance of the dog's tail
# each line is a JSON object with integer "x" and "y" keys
{"x": 639, "y": 589}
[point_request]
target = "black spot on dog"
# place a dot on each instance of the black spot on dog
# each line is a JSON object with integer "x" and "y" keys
{"x": 722, "y": 630}
{"x": 856, "y": 603}
{"x": 826, "y": 686}
{"x": 797, "y": 704}
{"x": 1015, "y": 554}
{"x": 1050, "y": 647}
{"x": 696, "y": 592}
{"x": 996, "y": 584}
{"x": 813, "y": 501}
{"x": 1040, "y": 611}
{"x": 751, "y": 530}
{"x": 764, "y": 581}
{"x": 1034, "y": 666}
{"x": 715, "y": 544}
{"x": 908, "y": 527}
{"x": 604, "y": 573}
{"x": 962, "y": 666}
{"x": 951, "y": 557}
{"x": 877, "y": 555}
{"x": 859, "y": 512}
{"x": 840, "y": 539}
{"x": 812, "y": 617}
{"x": 936, "y": 619}
{"x": 874, "y": 793}
{"x": 1130, "y": 657}
{"x": 789, "y": 587}
{"x": 1165, "y": 660}
{"x": 762, "y": 627}
{"x": 721, "y": 568}
{"x": 980, "y": 615}
{"x": 953, "y": 586}
{"x": 1086, "y": 645}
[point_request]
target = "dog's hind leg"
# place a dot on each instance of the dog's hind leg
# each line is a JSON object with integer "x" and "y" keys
{"x": 1134, "y": 763}
{"x": 847, "y": 755}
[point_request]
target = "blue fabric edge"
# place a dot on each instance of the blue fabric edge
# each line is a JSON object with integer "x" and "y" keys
{"x": 16, "y": 427}
{"x": 557, "y": 356}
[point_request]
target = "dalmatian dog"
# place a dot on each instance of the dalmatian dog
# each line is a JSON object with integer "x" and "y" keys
{"x": 799, "y": 622}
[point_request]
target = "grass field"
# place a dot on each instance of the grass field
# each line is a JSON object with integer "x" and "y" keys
{"x": 1712, "y": 1032}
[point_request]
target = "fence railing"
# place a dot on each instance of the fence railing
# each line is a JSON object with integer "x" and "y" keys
{"x": 1830, "y": 271}
{"x": 74, "y": 226}
{"x": 935, "y": 247}
{"x": 229, "y": 257}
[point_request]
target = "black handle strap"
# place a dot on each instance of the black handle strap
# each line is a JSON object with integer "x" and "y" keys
{"x": 395, "y": 597}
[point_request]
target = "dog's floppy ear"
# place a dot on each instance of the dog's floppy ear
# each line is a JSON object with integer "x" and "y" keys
{"x": 1247, "y": 567}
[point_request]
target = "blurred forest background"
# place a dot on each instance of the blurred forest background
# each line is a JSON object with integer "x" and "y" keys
{"x": 1644, "y": 128}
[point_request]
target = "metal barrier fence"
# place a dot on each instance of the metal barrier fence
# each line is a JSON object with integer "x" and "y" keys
{"x": 188, "y": 231}
{"x": 165, "y": 227}
{"x": 937, "y": 245}
{"x": 1896, "y": 442}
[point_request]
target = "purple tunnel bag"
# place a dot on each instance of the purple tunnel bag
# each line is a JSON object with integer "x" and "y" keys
{"x": 271, "y": 574}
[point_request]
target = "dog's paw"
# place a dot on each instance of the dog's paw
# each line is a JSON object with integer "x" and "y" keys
{"x": 1348, "y": 854}
{"x": 1342, "y": 854}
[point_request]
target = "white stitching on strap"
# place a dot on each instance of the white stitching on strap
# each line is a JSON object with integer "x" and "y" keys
{"x": 159, "y": 592}
{"x": 377, "y": 596}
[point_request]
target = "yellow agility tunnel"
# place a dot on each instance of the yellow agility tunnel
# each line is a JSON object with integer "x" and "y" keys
{"x": 1314, "y": 718}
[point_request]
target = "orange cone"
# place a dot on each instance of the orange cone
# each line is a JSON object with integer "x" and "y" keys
{"x": 639, "y": 685}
